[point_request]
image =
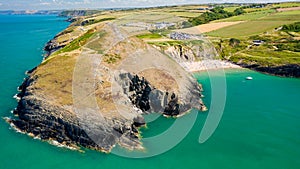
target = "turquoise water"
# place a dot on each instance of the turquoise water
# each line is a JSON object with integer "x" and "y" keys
{"x": 260, "y": 127}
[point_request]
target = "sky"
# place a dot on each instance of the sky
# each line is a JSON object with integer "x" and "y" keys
{"x": 97, "y": 4}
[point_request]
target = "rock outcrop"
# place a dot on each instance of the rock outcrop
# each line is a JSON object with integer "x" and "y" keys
{"x": 52, "y": 46}
{"x": 43, "y": 119}
{"x": 290, "y": 70}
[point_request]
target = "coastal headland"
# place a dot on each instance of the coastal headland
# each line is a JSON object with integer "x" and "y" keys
{"x": 110, "y": 67}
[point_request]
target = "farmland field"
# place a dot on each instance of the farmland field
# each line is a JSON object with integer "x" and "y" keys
{"x": 208, "y": 27}
{"x": 244, "y": 29}
{"x": 186, "y": 14}
{"x": 263, "y": 24}
{"x": 247, "y": 16}
{"x": 286, "y": 5}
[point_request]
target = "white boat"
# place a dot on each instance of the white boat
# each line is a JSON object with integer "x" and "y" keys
{"x": 249, "y": 78}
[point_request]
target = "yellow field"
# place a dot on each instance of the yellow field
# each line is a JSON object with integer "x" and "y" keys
{"x": 208, "y": 27}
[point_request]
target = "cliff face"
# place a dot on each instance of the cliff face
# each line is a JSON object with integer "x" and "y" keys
{"x": 94, "y": 95}
{"x": 42, "y": 118}
{"x": 182, "y": 52}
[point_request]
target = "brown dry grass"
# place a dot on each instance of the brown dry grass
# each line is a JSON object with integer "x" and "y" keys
{"x": 55, "y": 78}
{"x": 160, "y": 79}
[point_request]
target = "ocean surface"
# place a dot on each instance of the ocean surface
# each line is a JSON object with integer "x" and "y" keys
{"x": 260, "y": 126}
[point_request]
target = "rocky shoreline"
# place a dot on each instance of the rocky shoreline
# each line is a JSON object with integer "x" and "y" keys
{"x": 40, "y": 119}
{"x": 291, "y": 70}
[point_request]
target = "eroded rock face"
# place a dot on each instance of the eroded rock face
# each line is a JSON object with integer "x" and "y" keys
{"x": 149, "y": 99}
{"x": 42, "y": 119}
{"x": 52, "y": 46}
{"x": 181, "y": 53}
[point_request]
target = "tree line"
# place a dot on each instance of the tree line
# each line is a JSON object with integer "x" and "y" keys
{"x": 215, "y": 14}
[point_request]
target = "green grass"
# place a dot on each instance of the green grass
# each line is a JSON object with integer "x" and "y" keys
{"x": 96, "y": 42}
{"x": 149, "y": 36}
{"x": 286, "y": 5}
{"x": 185, "y": 14}
{"x": 231, "y": 8}
{"x": 249, "y": 28}
{"x": 256, "y": 9}
{"x": 256, "y": 26}
{"x": 77, "y": 43}
{"x": 248, "y": 16}
{"x": 296, "y": 12}
{"x": 176, "y": 43}
{"x": 166, "y": 43}
{"x": 93, "y": 21}
{"x": 283, "y": 16}
{"x": 267, "y": 57}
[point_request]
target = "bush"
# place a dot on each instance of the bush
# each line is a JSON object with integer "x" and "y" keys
{"x": 214, "y": 14}
{"x": 234, "y": 42}
{"x": 238, "y": 11}
{"x": 295, "y": 27}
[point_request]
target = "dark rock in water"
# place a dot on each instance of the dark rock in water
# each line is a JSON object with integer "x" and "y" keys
{"x": 172, "y": 108}
{"x": 290, "y": 70}
{"x": 51, "y": 47}
{"x": 71, "y": 20}
{"x": 139, "y": 121}
{"x": 30, "y": 71}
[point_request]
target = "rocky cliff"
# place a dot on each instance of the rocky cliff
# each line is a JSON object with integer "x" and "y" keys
{"x": 94, "y": 95}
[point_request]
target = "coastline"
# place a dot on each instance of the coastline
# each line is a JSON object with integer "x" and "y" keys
{"x": 290, "y": 70}
{"x": 40, "y": 117}
{"x": 51, "y": 121}
{"x": 208, "y": 65}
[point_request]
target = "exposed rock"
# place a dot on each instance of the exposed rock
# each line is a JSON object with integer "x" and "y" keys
{"x": 184, "y": 36}
{"x": 290, "y": 70}
{"x": 49, "y": 122}
{"x": 73, "y": 13}
{"x": 149, "y": 99}
{"x": 52, "y": 46}
{"x": 139, "y": 121}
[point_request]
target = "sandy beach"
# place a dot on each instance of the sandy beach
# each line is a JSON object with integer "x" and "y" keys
{"x": 207, "y": 65}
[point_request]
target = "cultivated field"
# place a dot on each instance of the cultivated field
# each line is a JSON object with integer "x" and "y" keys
{"x": 208, "y": 27}
{"x": 288, "y": 9}
{"x": 256, "y": 26}
{"x": 247, "y": 16}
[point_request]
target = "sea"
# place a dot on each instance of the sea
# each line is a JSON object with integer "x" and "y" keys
{"x": 253, "y": 124}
